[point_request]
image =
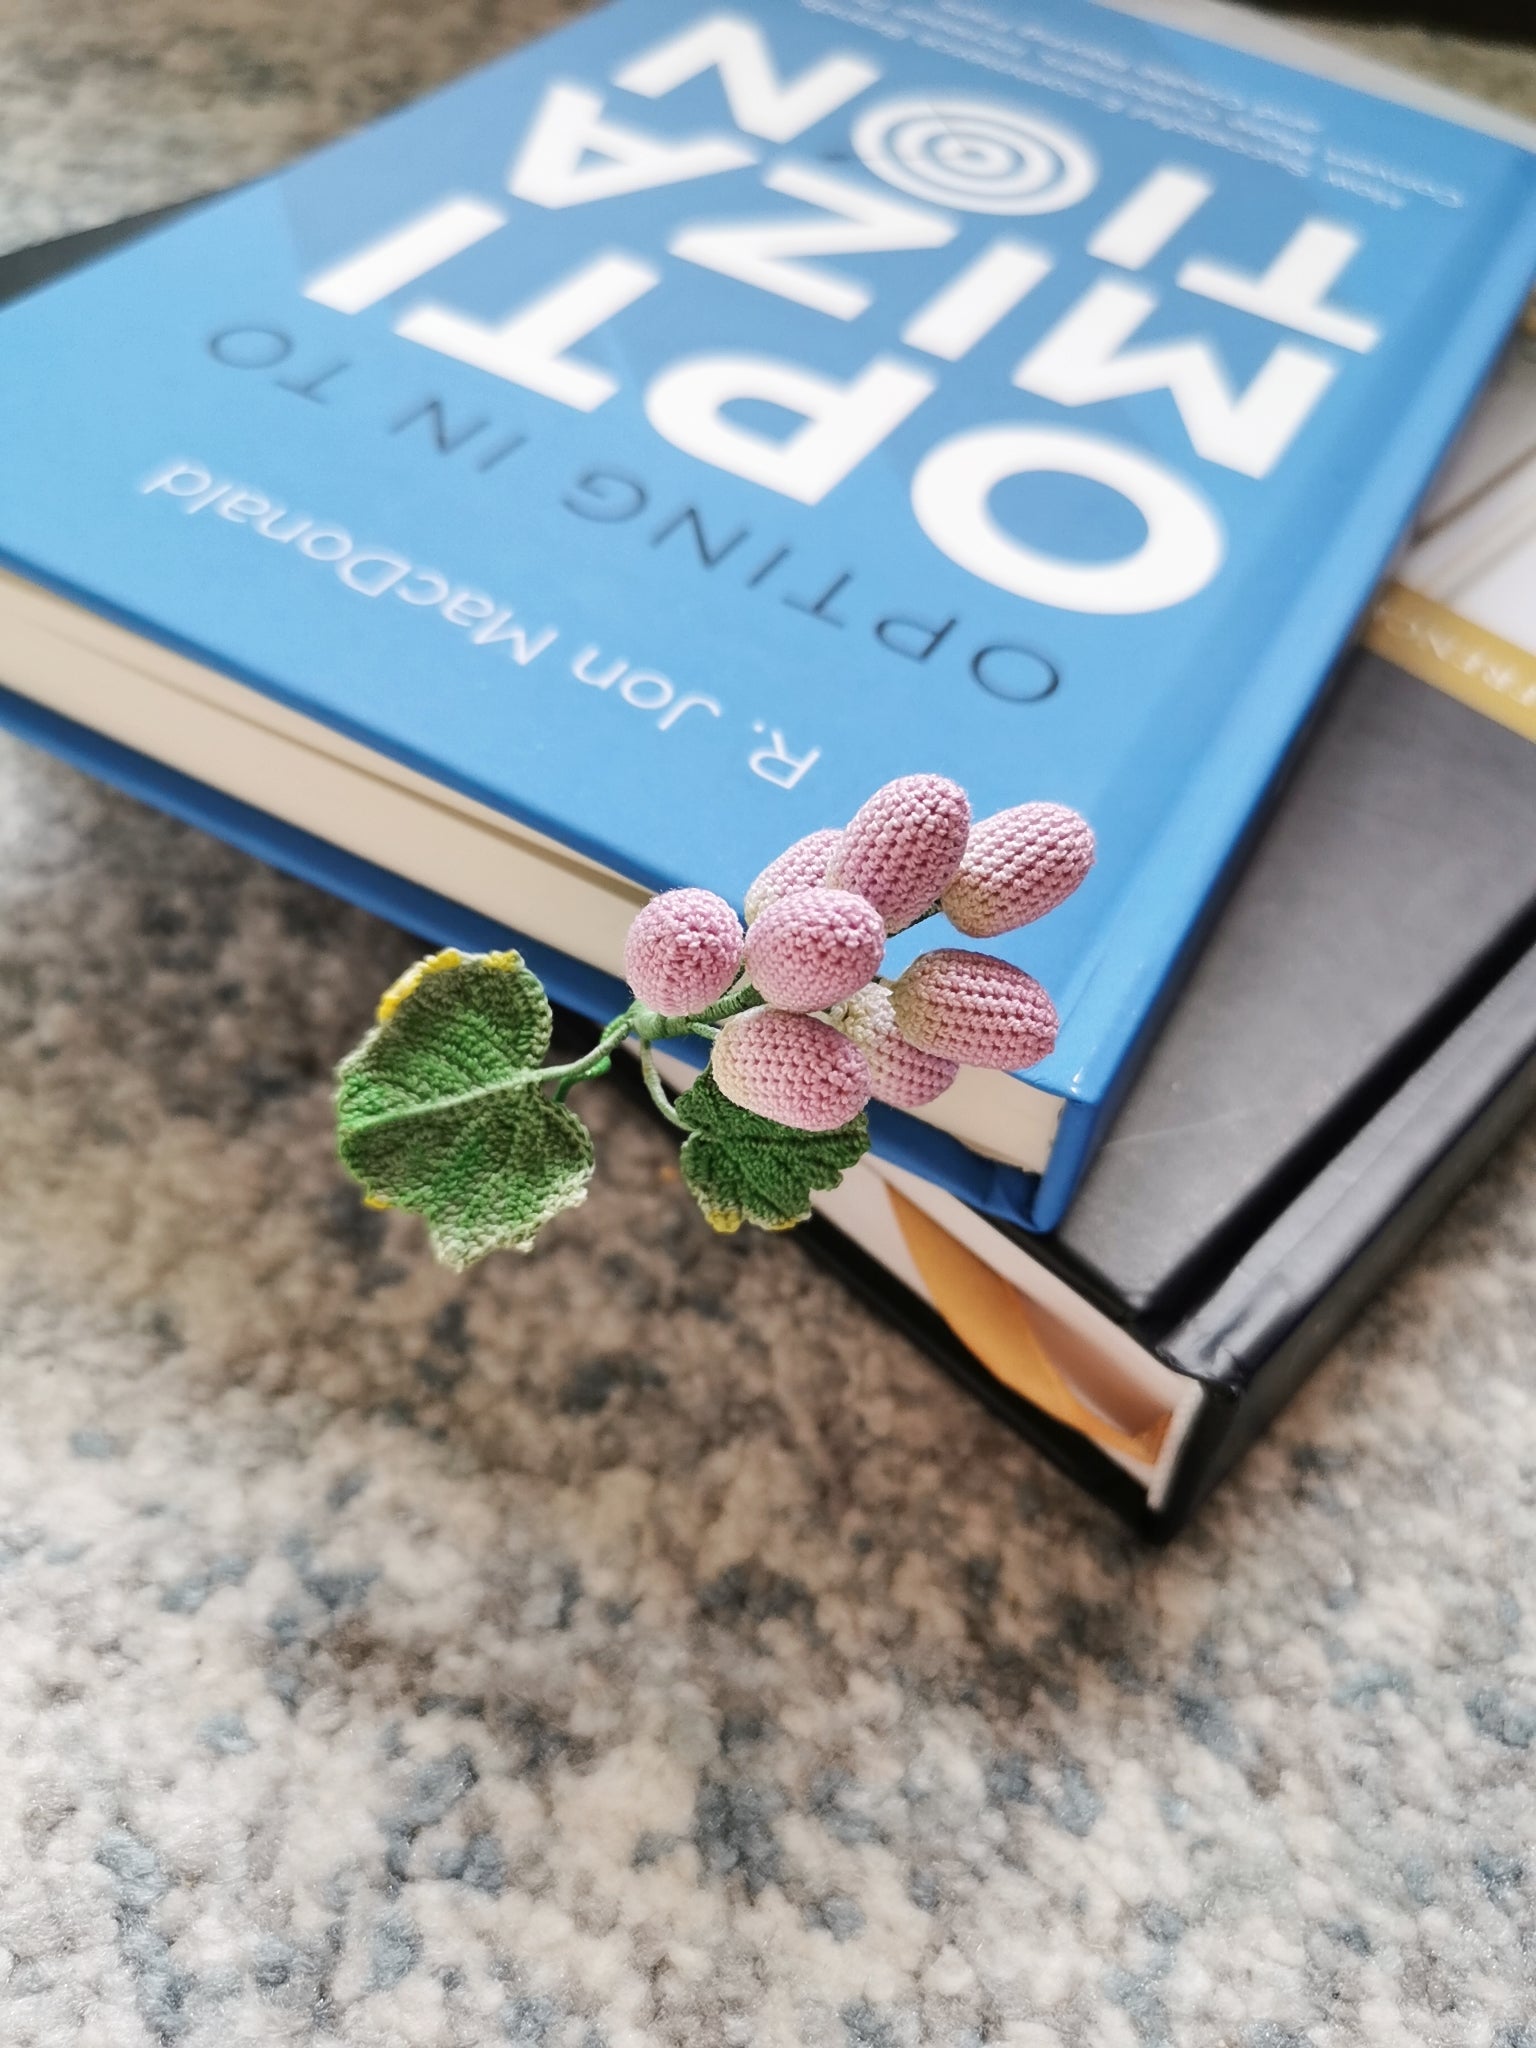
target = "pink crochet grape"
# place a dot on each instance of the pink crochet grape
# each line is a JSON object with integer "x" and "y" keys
{"x": 793, "y": 1069}
{"x": 1018, "y": 865}
{"x": 976, "y": 1009}
{"x": 801, "y": 866}
{"x": 814, "y": 947}
{"x": 683, "y": 951}
{"x": 900, "y": 1074}
{"x": 903, "y": 846}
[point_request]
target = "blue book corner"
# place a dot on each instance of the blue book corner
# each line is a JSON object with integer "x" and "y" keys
{"x": 673, "y": 430}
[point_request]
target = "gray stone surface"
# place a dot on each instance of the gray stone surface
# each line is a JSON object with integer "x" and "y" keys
{"x": 638, "y": 1644}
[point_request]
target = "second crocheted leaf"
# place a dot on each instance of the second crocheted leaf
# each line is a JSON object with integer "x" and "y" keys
{"x": 741, "y": 1168}
{"x": 438, "y": 1111}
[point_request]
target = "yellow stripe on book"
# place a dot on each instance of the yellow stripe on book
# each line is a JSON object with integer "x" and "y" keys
{"x": 1468, "y": 662}
{"x": 993, "y": 1319}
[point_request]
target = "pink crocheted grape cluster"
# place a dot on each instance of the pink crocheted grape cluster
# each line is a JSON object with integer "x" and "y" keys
{"x": 813, "y": 1035}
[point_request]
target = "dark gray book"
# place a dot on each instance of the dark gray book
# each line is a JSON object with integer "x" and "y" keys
{"x": 1395, "y": 881}
{"x": 1357, "y": 1034}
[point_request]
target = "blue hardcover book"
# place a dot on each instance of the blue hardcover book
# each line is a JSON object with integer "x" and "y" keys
{"x": 600, "y": 474}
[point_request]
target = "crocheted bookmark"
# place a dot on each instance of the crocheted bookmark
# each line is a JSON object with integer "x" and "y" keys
{"x": 445, "y": 1109}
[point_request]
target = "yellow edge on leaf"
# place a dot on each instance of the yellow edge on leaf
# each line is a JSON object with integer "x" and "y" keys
{"x": 439, "y": 963}
{"x": 727, "y": 1221}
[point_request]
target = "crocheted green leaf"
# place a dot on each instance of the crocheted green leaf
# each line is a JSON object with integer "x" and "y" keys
{"x": 742, "y": 1168}
{"x": 438, "y": 1111}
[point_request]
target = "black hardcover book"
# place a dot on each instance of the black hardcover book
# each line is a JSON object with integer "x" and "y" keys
{"x": 1358, "y": 1033}
{"x": 1357, "y": 1036}
{"x": 1247, "y": 1337}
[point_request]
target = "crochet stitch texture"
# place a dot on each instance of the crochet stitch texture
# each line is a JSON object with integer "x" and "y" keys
{"x": 791, "y": 1069}
{"x": 801, "y": 866}
{"x": 976, "y": 1009}
{"x": 902, "y": 848}
{"x": 683, "y": 951}
{"x": 814, "y": 947}
{"x": 900, "y": 1074}
{"x": 1018, "y": 865}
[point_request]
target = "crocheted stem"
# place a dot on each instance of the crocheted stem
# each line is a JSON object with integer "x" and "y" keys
{"x": 590, "y": 1074}
{"x": 648, "y": 1024}
{"x": 743, "y": 997}
{"x": 645, "y": 1024}
{"x": 654, "y": 1086}
{"x": 585, "y": 1068}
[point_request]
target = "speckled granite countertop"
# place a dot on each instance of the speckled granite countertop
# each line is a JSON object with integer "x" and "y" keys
{"x": 639, "y": 1644}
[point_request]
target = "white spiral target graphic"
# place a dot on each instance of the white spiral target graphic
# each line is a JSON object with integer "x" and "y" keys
{"x": 981, "y": 156}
